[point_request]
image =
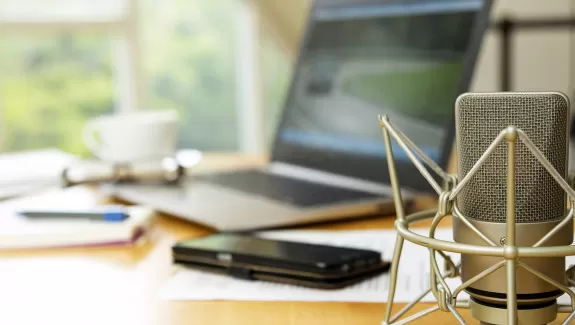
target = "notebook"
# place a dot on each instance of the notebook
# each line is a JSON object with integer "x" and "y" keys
{"x": 31, "y": 171}
{"x": 17, "y": 232}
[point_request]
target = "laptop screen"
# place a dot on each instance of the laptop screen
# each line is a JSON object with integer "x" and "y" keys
{"x": 362, "y": 58}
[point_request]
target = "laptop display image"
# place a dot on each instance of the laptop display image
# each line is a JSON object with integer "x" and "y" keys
{"x": 409, "y": 59}
{"x": 367, "y": 63}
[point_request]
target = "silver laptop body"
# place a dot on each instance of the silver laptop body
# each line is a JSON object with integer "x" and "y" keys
{"x": 229, "y": 209}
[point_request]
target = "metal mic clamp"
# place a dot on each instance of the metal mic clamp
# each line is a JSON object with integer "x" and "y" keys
{"x": 509, "y": 253}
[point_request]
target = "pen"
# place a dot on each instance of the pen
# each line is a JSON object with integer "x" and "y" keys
{"x": 107, "y": 213}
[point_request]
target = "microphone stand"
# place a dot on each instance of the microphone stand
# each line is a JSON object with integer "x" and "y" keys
{"x": 510, "y": 253}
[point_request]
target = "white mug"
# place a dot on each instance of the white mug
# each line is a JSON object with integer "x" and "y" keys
{"x": 130, "y": 137}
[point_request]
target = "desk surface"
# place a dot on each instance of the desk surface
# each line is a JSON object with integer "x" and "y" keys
{"x": 118, "y": 285}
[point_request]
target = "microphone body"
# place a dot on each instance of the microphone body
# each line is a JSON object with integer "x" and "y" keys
{"x": 540, "y": 203}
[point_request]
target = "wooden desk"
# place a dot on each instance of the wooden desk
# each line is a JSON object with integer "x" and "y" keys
{"x": 119, "y": 285}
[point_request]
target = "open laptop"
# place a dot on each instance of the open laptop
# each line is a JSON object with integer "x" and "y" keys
{"x": 359, "y": 58}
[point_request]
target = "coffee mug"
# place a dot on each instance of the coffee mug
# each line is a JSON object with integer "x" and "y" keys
{"x": 131, "y": 137}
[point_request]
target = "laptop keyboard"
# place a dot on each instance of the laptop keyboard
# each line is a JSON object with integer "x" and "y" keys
{"x": 281, "y": 188}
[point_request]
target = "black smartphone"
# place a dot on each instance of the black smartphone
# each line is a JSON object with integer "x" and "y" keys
{"x": 251, "y": 257}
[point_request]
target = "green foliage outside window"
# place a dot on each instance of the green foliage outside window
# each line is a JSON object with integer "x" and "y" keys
{"x": 49, "y": 87}
{"x": 51, "y": 84}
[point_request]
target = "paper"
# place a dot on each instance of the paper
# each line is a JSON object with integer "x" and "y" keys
{"x": 29, "y": 171}
{"x": 413, "y": 278}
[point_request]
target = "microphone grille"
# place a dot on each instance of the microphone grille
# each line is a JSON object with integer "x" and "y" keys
{"x": 479, "y": 119}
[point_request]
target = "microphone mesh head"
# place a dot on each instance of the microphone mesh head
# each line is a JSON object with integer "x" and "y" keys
{"x": 480, "y": 117}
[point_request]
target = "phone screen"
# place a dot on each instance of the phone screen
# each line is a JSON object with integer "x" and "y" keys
{"x": 279, "y": 250}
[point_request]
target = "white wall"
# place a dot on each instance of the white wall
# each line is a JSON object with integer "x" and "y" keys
{"x": 284, "y": 21}
{"x": 541, "y": 59}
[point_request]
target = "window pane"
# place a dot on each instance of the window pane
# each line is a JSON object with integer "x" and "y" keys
{"x": 49, "y": 87}
{"x": 189, "y": 55}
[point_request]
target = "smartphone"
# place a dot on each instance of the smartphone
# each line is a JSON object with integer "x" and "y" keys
{"x": 251, "y": 257}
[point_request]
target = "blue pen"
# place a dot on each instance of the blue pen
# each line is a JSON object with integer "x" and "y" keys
{"x": 103, "y": 213}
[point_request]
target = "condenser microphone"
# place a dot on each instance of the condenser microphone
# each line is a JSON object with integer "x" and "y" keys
{"x": 508, "y": 200}
{"x": 540, "y": 202}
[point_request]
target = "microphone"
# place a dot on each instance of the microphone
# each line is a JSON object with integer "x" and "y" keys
{"x": 540, "y": 203}
{"x": 509, "y": 207}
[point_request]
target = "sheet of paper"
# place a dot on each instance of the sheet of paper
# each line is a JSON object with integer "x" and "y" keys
{"x": 189, "y": 284}
{"x": 413, "y": 277}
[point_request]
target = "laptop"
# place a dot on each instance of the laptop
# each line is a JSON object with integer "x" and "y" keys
{"x": 358, "y": 59}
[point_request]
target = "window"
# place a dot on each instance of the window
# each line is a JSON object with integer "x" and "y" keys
{"x": 53, "y": 82}
{"x": 49, "y": 86}
{"x": 189, "y": 51}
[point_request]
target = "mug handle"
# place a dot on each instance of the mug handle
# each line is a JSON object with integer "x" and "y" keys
{"x": 88, "y": 136}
